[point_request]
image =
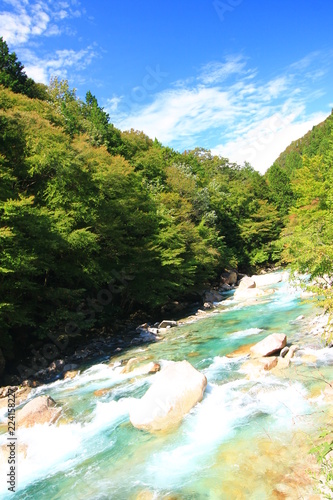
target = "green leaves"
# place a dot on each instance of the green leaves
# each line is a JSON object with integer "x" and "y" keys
{"x": 80, "y": 200}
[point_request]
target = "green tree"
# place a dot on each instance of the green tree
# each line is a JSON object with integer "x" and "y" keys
{"x": 280, "y": 187}
{"x": 13, "y": 76}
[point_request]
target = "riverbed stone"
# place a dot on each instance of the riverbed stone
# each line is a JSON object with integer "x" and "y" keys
{"x": 291, "y": 352}
{"x": 283, "y": 363}
{"x": 70, "y": 374}
{"x": 174, "y": 392}
{"x": 40, "y": 410}
{"x": 208, "y": 305}
{"x": 213, "y": 296}
{"x": 4, "y": 391}
{"x": 101, "y": 392}
{"x": 167, "y": 323}
{"x": 146, "y": 369}
{"x": 255, "y": 367}
{"x": 70, "y": 367}
{"x": 243, "y": 350}
{"x": 229, "y": 278}
{"x": 129, "y": 364}
{"x": 284, "y": 351}
{"x": 21, "y": 395}
{"x": 270, "y": 345}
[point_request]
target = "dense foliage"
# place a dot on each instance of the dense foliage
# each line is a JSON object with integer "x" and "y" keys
{"x": 82, "y": 202}
{"x": 304, "y": 173}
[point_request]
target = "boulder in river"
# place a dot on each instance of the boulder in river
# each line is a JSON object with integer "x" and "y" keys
{"x": 269, "y": 345}
{"x": 146, "y": 369}
{"x": 229, "y": 278}
{"x": 129, "y": 365}
{"x": 245, "y": 283}
{"x": 284, "y": 351}
{"x": 175, "y": 390}
{"x": 251, "y": 293}
{"x": 267, "y": 279}
{"x": 167, "y": 323}
{"x": 70, "y": 367}
{"x": 255, "y": 367}
{"x": 21, "y": 394}
{"x": 212, "y": 296}
{"x": 243, "y": 350}
{"x": 40, "y": 410}
{"x": 291, "y": 351}
{"x": 71, "y": 374}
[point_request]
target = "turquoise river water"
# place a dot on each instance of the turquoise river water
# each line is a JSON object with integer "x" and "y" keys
{"x": 246, "y": 439}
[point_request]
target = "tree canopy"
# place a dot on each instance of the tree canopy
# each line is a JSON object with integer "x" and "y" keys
{"x": 82, "y": 201}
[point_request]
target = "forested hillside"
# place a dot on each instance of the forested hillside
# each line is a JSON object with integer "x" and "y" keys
{"x": 303, "y": 178}
{"x": 86, "y": 209}
{"x": 316, "y": 141}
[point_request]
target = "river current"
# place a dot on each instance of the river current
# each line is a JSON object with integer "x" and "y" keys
{"x": 247, "y": 439}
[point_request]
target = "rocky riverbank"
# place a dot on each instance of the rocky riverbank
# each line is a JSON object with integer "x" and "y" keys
{"x": 247, "y": 290}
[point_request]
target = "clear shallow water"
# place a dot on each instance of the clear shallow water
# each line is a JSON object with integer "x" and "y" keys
{"x": 242, "y": 441}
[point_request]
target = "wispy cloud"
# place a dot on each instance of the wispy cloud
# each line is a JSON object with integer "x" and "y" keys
{"x": 24, "y": 20}
{"x": 226, "y": 107}
{"x": 57, "y": 64}
{"x": 217, "y": 71}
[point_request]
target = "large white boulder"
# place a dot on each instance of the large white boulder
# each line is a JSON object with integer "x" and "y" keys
{"x": 267, "y": 279}
{"x": 175, "y": 390}
{"x": 40, "y": 410}
{"x": 251, "y": 293}
{"x": 269, "y": 345}
{"x": 246, "y": 282}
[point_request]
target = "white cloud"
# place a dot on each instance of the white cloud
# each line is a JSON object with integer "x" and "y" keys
{"x": 264, "y": 143}
{"x": 218, "y": 71}
{"x": 112, "y": 104}
{"x": 228, "y": 109}
{"x": 57, "y": 64}
{"x": 181, "y": 113}
{"x": 25, "y": 20}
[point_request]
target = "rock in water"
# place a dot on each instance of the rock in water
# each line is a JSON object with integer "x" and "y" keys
{"x": 270, "y": 345}
{"x": 267, "y": 279}
{"x": 176, "y": 389}
{"x": 40, "y": 410}
{"x": 251, "y": 293}
{"x": 245, "y": 283}
{"x": 229, "y": 278}
{"x": 167, "y": 323}
{"x": 71, "y": 374}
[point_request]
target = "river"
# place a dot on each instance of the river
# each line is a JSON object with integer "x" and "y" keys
{"x": 247, "y": 439}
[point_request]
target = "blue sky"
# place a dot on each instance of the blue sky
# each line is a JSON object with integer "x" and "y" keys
{"x": 240, "y": 77}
